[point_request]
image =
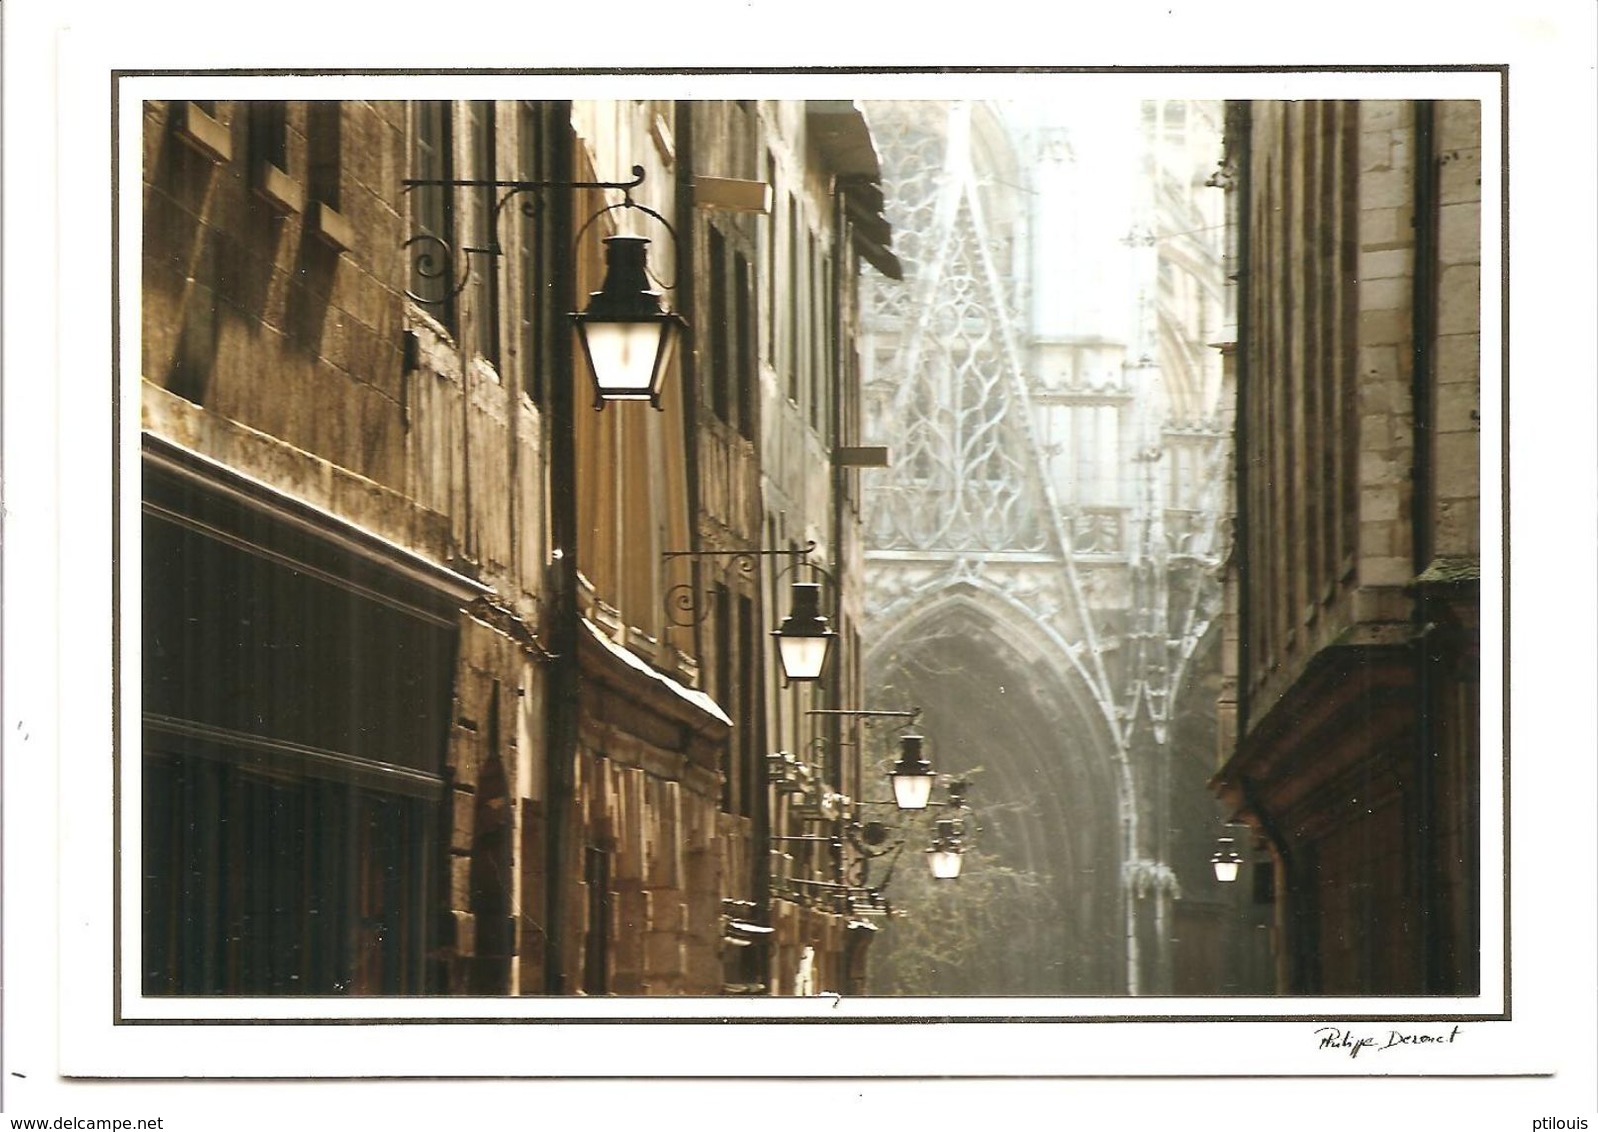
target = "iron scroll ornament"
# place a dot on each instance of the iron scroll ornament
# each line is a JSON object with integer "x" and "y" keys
{"x": 432, "y": 257}
{"x": 684, "y": 602}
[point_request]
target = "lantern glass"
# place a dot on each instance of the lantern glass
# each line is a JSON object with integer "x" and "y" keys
{"x": 945, "y": 854}
{"x": 803, "y": 658}
{"x": 911, "y": 776}
{"x": 945, "y": 863}
{"x": 627, "y": 357}
{"x": 1226, "y": 860}
{"x": 626, "y": 333}
{"x": 804, "y": 639}
{"x": 912, "y": 791}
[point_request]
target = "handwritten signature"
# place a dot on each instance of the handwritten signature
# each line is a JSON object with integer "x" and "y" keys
{"x": 1333, "y": 1038}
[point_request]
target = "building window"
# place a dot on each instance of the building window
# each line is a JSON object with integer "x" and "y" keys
{"x": 771, "y": 266}
{"x": 324, "y": 143}
{"x": 817, "y": 329}
{"x": 744, "y": 337}
{"x": 195, "y": 123}
{"x": 737, "y": 689}
{"x": 828, "y": 351}
{"x": 733, "y": 367}
{"x": 432, "y": 206}
{"x": 721, "y": 611}
{"x": 791, "y": 329}
{"x": 324, "y": 139}
{"x": 746, "y": 736}
{"x": 721, "y": 332}
{"x": 491, "y": 871}
{"x": 268, "y": 133}
{"x": 267, "y": 123}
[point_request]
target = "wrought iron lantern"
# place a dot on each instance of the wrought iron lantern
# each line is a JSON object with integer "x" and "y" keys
{"x": 804, "y": 639}
{"x": 1226, "y": 860}
{"x": 947, "y": 852}
{"x": 628, "y": 335}
{"x": 912, "y": 775}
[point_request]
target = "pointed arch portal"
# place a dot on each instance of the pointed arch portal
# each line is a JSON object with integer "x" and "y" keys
{"x": 1001, "y": 705}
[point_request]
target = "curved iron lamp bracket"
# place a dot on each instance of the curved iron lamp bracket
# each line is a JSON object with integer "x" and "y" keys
{"x": 864, "y": 836}
{"x": 684, "y": 602}
{"x": 435, "y": 258}
{"x": 868, "y": 716}
{"x": 857, "y": 868}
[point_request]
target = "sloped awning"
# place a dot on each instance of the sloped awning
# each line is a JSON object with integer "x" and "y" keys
{"x": 694, "y": 704}
{"x": 843, "y": 139}
{"x": 1450, "y": 571}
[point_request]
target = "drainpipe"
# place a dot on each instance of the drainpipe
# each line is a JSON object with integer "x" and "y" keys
{"x": 688, "y": 354}
{"x": 1423, "y": 329}
{"x": 564, "y": 627}
{"x": 1241, "y": 121}
{"x": 1240, "y": 125}
{"x": 464, "y": 220}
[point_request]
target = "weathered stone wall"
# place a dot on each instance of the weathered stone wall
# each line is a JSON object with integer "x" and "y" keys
{"x": 1320, "y": 421}
{"x": 648, "y": 796}
{"x": 1330, "y": 403}
{"x": 250, "y": 313}
{"x": 1385, "y": 285}
{"x": 1359, "y": 507}
{"x": 1456, "y": 394}
{"x": 282, "y": 354}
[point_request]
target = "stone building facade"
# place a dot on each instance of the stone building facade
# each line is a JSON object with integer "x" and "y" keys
{"x": 1357, "y": 564}
{"x": 417, "y": 718}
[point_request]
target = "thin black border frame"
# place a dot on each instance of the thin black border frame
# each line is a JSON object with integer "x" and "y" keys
{"x": 117, "y": 75}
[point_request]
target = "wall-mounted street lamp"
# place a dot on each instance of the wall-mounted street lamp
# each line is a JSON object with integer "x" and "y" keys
{"x": 1226, "y": 860}
{"x": 946, "y": 854}
{"x": 804, "y": 638}
{"x": 913, "y": 779}
{"x": 873, "y": 845}
{"x": 627, "y": 334}
{"x": 912, "y": 775}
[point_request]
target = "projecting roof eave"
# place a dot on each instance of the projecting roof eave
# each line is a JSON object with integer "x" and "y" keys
{"x": 691, "y": 698}
{"x": 880, "y": 258}
{"x": 843, "y": 140}
{"x": 839, "y": 130}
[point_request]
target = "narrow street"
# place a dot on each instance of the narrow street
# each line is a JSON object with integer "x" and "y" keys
{"x": 757, "y": 548}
